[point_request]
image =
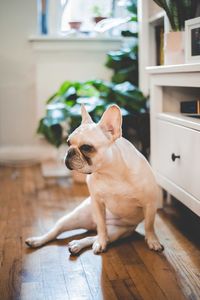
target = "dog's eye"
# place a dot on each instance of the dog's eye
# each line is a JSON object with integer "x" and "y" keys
{"x": 86, "y": 148}
{"x": 68, "y": 143}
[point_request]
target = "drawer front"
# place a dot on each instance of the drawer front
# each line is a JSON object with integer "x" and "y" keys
{"x": 173, "y": 140}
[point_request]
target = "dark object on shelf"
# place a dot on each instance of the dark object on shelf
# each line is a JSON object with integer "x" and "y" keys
{"x": 195, "y": 41}
{"x": 197, "y": 116}
{"x": 159, "y": 33}
{"x": 190, "y": 107}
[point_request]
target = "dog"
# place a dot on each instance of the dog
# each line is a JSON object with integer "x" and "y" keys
{"x": 123, "y": 190}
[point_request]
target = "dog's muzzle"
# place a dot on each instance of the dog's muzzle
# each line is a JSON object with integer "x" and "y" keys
{"x": 67, "y": 164}
{"x": 71, "y": 153}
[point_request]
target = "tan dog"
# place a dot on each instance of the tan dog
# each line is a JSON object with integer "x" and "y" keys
{"x": 122, "y": 186}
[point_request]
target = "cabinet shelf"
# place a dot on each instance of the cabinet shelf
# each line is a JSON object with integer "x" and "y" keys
{"x": 180, "y": 119}
{"x": 174, "y": 133}
{"x": 182, "y": 68}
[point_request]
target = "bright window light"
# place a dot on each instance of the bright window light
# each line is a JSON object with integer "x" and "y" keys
{"x": 84, "y": 11}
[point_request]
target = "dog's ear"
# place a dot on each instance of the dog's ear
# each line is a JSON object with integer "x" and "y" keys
{"x": 85, "y": 116}
{"x": 111, "y": 122}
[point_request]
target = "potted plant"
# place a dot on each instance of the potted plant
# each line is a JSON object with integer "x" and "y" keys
{"x": 98, "y": 14}
{"x": 63, "y": 107}
{"x": 63, "y": 112}
{"x": 177, "y": 12}
{"x": 75, "y": 25}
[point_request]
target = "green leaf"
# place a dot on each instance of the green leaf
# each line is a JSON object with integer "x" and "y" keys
{"x": 128, "y": 33}
{"x": 70, "y": 93}
{"x": 118, "y": 60}
{"x": 102, "y": 86}
{"x": 129, "y": 96}
{"x": 132, "y": 7}
{"x": 178, "y": 11}
{"x": 133, "y": 19}
{"x": 52, "y": 98}
{"x": 64, "y": 87}
{"x": 75, "y": 121}
{"x": 56, "y": 113}
{"x": 87, "y": 90}
{"x": 53, "y": 133}
{"x": 126, "y": 74}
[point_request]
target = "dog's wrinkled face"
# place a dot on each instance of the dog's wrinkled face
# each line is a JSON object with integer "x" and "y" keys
{"x": 89, "y": 144}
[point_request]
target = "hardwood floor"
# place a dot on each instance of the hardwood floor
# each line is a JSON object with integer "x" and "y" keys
{"x": 30, "y": 205}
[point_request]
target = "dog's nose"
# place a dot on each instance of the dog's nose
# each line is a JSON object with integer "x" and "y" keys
{"x": 71, "y": 153}
{"x": 67, "y": 164}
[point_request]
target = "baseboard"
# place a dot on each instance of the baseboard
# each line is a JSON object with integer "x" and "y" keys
{"x": 26, "y": 154}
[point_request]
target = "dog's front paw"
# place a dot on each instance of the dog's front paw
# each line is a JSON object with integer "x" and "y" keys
{"x": 34, "y": 242}
{"x": 99, "y": 246}
{"x": 154, "y": 244}
{"x": 74, "y": 247}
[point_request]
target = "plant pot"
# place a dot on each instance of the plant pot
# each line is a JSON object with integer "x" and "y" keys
{"x": 79, "y": 177}
{"x": 174, "y": 53}
{"x": 98, "y": 19}
{"x": 75, "y": 25}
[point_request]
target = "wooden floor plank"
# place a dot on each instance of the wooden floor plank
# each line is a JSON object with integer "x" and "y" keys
{"x": 74, "y": 274}
{"x": 146, "y": 286}
{"x": 160, "y": 269}
{"x": 30, "y": 205}
{"x": 183, "y": 256}
{"x": 121, "y": 289}
{"x": 12, "y": 246}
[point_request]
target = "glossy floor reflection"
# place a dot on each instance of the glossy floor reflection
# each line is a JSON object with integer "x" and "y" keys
{"x": 128, "y": 270}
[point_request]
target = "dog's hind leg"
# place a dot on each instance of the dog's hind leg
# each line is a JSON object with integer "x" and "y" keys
{"x": 114, "y": 233}
{"x": 80, "y": 217}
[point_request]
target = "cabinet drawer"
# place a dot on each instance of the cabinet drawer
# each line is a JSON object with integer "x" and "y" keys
{"x": 175, "y": 140}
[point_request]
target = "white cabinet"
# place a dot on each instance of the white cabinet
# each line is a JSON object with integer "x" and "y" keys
{"x": 175, "y": 138}
{"x": 178, "y": 155}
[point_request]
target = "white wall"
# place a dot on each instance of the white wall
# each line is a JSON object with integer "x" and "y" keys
{"x": 21, "y": 84}
{"x": 18, "y": 20}
{"x": 60, "y": 59}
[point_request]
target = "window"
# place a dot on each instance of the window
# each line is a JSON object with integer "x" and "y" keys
{"x": 84, "y": 11}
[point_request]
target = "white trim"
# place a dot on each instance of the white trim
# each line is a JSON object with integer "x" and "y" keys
{"x": 182, "y": 68}
{"x": 189, "y": 25}
{"x": 180, "y": 119}
{"x": 58, "y": 38}
{"x": 56, "y": 43}
{"x": 156, "y": 18}
{"x": 14, "y": 155}
{"x": 144, "y": 55}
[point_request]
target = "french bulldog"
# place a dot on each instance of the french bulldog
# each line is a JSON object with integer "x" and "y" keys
{"x": 123, "y": 190}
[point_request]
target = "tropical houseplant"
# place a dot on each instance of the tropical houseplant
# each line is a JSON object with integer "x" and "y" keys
{"x": 63, "y": 107}
{"x": 177, "y": 11}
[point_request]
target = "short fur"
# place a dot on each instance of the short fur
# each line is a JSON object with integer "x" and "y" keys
{"x": 123, "y": 190}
